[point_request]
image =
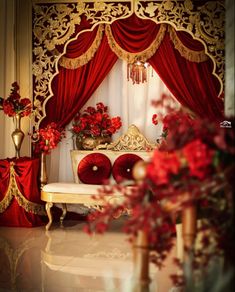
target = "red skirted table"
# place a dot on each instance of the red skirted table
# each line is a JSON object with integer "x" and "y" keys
{"x": 20, "y": 203}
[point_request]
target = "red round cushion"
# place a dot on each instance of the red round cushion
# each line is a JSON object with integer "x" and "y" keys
{"x": 94, "y": 169}
{"x": 122, "y": 167}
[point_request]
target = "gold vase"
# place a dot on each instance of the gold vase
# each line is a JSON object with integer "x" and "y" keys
{"x": 90, "y": 143}
{"x": 17, "y": 135}
{"x": 43, "y": 171}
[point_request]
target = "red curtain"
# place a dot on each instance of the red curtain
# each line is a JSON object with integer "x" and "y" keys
{"x": 134, "y": 34}
{"x": 72, "y": 88}
{"x": 77, "y": 47}
{"x": 189, "y": 42}
{"x": 191, "y": 83}
{"x": 83, "y": 25}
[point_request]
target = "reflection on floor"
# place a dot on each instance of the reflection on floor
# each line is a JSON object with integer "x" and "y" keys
{"x": 66, "y": 259}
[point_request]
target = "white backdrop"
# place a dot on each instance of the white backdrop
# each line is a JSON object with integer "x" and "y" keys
{"x": 131, "y": 102}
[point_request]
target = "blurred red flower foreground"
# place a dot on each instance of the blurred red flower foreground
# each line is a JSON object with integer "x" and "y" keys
{"x": 194, "y": 164}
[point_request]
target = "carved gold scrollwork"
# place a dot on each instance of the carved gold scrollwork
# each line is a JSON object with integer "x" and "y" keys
{"x": 132, "y": 140}
{"x": 54, "y": 24}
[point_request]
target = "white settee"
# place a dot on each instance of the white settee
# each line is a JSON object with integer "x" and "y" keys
{"x": 90, "y": 168}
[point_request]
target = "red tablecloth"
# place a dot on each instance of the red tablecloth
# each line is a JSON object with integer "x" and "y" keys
{"x": 20, "y": 203}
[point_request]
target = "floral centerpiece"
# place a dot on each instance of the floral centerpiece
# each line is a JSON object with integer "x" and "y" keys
{"x": 47, "y": 139}
{"x": 95, "y": 122}
{"x": 194, "y": 166}
{"x": 16, "y": 107}
{"x": 14, "y": 104}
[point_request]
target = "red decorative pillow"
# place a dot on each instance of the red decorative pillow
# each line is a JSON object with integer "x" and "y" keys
{"x": 122, "y": 167}
{"x": 94, "y": 169}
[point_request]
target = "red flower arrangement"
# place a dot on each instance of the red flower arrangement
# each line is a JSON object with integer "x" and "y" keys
{"x": 14, "y": 104}
{"x": 193, "y": 165}
{"x": 48, "y": 138}
{"x": 95, "y": 122}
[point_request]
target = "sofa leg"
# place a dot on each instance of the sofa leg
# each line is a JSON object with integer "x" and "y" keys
{"x": 64, "y": 208}
{"x": 49, "y": 214}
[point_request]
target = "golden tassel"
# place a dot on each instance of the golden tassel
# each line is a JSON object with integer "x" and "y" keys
{"x": 137, "y": 72}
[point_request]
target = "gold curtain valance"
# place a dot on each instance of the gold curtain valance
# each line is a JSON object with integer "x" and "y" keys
{"x": 13, "y": 191}
{"x": 133, "y": 57}
{"x": 190, "y": 55}
{"x": 203, "y": 20}
{"x": 74, "y": 63}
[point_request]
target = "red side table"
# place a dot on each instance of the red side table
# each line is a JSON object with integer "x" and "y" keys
{"x": 20, "y": 203}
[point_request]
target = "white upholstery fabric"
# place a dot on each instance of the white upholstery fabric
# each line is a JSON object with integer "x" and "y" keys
{"x": 79, "y": 189}
{"x": 72, "y": 188}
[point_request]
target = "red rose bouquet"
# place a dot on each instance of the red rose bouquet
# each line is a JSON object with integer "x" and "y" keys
{"x": 48, "y": 138}
{"x": 14, "y": 104}
{"x": 95, "y": 122}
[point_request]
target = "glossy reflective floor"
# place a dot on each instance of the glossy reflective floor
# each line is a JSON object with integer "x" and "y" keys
{"x": 66, "y": 259}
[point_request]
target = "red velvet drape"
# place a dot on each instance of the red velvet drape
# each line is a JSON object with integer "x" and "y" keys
{"x": 72, "y": 88}
{"x": 79, "y": 46}
{"x": 134, "y": 34}
{"x": 191, "y": 83}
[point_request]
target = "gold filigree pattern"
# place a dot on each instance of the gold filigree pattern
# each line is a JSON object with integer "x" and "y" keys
{"x": 193, "y": 56}
{"x": 74, "y": 63}
{"x": 106, "y": 11}
{"x": 133, "y": 57}
{"x": 13, "y": 191}
{"x": 205, "y": 23}
{"x": 54, "y": 24}
{"x": 132, "y": 140}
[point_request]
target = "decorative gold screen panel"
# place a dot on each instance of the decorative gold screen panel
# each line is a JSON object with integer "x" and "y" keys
{"x": 54, "y": 24}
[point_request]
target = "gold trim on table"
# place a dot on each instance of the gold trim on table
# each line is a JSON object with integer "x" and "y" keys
{"x": 13, "y": 191}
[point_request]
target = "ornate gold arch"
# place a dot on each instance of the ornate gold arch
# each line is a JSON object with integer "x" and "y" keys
{"x": 54, "y": 24}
